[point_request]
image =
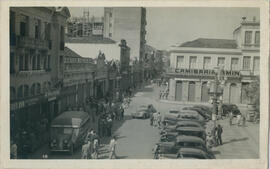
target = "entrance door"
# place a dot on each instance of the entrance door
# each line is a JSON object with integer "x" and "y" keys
{"x": 233, "y": 93}
{"x": 244, "y": 96}
{"x": 178, "y": 91}
{"x": 191, "y": 91}
{"x": 205, "y": 95}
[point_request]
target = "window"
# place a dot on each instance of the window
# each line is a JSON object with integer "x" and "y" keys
{"x": 47, "y": 31}
{"x": 246, "y": 63}
{"x": 221, "y": 61}
{"x": 248, "y": 35}
{"x": 26, "y": 91}
{"x": 180, "y": 62}
{"x": 12, "y": 63}
{"x": 37, "y": 28}
{"x": 256, "y": 63}
{"x": 33, "y": 89}
{"x": 24, "y": 25}
{"x": 192, "y": 62}
{"x": 12, "y": 22}
{"x": 234, "y": 64}
{"x": 207, "y": 63}
{"x": 110, "y": 34}
{"x": 110, "y": 14}
{"x": 12, "y": 91}
{"x": 20, "y": 91}
{"x": 38, "y": 62}
{"x": 110, "y": 25}
{"x": 49, "y": 62}
{"x": 257, "y": 37}
{"x": 21, "y": 62}
{"x": 26, "y": 62}
{"x": 34, "y": 62}
{"x": 38, "y": 88}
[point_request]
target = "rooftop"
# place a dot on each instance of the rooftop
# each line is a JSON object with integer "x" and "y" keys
{"x": 70, "y": 53}
{"x": 211, "y": 43}
{"x": 90, "y": 39}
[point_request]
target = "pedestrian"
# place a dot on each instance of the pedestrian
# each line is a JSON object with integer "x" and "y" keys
{"x": 85, "y": 150}
{"x": 159, "y": 119}
{"x": 122, "y": 110}
{"x": 109, "y": 126}
{"x": 244, "y": 120}
{"x": 89, "y": 135}
{"x": 151, "y": 119}
{"x": 13, "y": 150}
{"x": 239, "y": 119}
{"x": 230, "y": 118}
{"x": 112, "y": 148}
{"x": 156, "y": 151}
{"x": 95, "y": 148}
{"x": 219, "y": 133}
{"x": 155, "y": 119}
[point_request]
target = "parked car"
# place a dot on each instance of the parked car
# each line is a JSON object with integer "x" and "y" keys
{"x": 193, "y": 153}
{"x": 168, "y": 136}
{"x": 192, "y": 131}
{"x": 202, "y": 112}
{"x": 181, "y": 142}
{"x": 174, "y": 111}
{"x": 68, "y": 131}
{"x": 172, "y": 119}
{"x": 227, "y": 108}
{"x": 207, "y": 109}
{"x": 187, "y": 123}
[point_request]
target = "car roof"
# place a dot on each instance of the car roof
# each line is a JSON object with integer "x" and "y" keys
{"x": 188, "y": 122}
{"x": 184, "y": 138}
{"x": 190, "y": 129}
{"x": 172, "y": 133}
{"x": 185, "y": 150}
{"x": 70, "y": 119}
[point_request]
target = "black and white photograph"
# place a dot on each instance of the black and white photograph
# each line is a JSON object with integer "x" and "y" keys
{"x": 114, "y": 83}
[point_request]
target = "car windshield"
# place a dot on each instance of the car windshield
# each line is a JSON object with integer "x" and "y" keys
{"x": 56, "y": 131}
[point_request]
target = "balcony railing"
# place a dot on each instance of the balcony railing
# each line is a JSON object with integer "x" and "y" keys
{"x": 25, "y": 42}
{"x": 202, "y": 72}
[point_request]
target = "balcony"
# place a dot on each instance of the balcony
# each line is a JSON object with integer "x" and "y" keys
{"x": 27, "y": 42}
{"x": 201, "y": 72}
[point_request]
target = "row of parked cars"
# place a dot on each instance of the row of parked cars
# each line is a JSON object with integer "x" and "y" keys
{"x": 183, "y": 135}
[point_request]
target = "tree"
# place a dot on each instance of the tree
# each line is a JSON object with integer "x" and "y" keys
{"x": 253, "y": 92}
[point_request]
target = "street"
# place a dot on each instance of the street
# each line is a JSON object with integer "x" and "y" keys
{"x": 136, "y": 138}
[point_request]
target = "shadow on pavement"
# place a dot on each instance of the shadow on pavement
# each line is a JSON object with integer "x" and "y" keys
{"x": 236, "y": 140}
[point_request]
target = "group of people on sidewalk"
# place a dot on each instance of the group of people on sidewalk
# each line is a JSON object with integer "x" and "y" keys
{"x": 155, "y": 119}
{"x": 214, "y": 136}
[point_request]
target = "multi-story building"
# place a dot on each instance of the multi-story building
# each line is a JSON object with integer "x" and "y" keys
{"x": 36, "y": 62}
{"x": 85, "y": 26}
{"x": 127, "y": 23}
{"x": 78, "y": 83}
{"x": 193, "y": 63}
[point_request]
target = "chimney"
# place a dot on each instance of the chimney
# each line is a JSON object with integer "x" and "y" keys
{"x": 243, "y": 19}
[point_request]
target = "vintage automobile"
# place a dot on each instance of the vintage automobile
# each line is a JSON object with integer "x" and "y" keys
{"x": 193, "y": 153}
{"x": 174, "y": 111}
{"x": 202, "y": 112}
{"x": 182, "y": 141}
{"x": 207, "y": 109}
{"x": 192, "y": 131}
{"x": 227, "y": 108}
{"x": 143, "y": 112}
{"x": 168, "y": 136}
{"x": 187, "y": 115}
{"x": 186, "y": 123}
{"x": 68, "y": 131}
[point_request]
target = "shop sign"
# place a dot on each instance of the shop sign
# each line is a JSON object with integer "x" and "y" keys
{"x": 17, "y": 105}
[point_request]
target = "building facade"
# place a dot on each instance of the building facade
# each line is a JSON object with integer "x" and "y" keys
{"x": 192, "y": 65}
{"x": 129, "y": 24}
{"x": 36, "y": 62}
{"x": 78, "y": 81}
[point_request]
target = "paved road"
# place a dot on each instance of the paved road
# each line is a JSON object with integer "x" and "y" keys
{"x": 136, "y": 137}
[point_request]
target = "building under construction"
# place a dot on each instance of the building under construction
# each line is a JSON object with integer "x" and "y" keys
{"x": 85, "y": 26}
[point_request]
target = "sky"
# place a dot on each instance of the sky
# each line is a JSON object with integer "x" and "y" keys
{"x": 167, "y": 26}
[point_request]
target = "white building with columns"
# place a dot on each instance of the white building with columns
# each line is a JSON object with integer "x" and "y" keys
{"x": 192, "y": 65}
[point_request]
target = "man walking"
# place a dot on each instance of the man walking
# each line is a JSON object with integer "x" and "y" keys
{"x": 219, "y": 133}
{"x": 112, "y": 148}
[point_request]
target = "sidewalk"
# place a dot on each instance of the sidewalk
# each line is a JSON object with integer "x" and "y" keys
{"x": 238, "y": 142}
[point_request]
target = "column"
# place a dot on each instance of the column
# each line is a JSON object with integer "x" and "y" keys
{"x": 226, "y": 93}
{"x": 185, "y": 90}
{"x": 239, "y": 88}
{"x": 198, "y": 91}
{"x": 172, "y": 89}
